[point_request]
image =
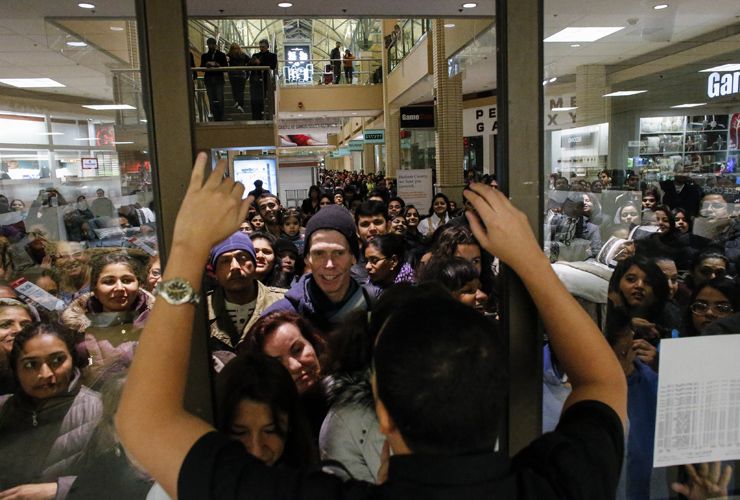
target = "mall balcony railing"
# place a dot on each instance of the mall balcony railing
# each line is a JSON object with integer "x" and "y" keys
{"x": 400, "y": 43}
{"x": 366, "y": 71}
{"x": 204, "y": 111}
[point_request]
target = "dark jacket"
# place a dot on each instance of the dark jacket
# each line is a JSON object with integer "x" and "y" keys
{"x": 581, "y": 459}
{"x": 215, "y": 56}
{"x": 307, "y": 299}
{"x": 689, "y": 198}
{"x": 44, "y": 441}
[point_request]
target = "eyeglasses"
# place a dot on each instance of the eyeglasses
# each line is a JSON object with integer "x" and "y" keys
{"x": 700, "y": 307}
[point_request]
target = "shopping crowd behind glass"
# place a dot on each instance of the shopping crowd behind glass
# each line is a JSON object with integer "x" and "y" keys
{"x": 291, "y": 336}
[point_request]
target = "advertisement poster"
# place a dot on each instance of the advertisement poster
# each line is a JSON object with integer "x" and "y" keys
{"x": 248, "y": 169}
{"x": 415, "y": 187}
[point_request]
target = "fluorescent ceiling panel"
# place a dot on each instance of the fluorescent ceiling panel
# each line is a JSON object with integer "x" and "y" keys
{"x": 107, "y": 107}
{"x": 31, "y": 83}
{"x": 724, "y": 67}
{"x": 623, "y": 93}
{"x": 583, "y": 34}
{"x": 690, "y": 105}
{"x": 569, "y": 108}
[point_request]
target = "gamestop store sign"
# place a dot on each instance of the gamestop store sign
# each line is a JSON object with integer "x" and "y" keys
{"x": 723, "y": 84}
{"x": 417, "y": 117}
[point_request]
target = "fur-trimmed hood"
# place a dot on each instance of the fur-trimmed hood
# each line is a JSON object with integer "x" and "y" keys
{"x": 351, "y": 388}
{"x": 78, "y": 314}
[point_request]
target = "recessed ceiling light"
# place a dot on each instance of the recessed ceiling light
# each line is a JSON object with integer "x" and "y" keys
{"x": 86, "y": 5}
{"x": 117, "y": 28}
{"x": 574, "y": 45}
{"x": 583, "y": 34}
{"x": 569, "y": 108}
{"x": 285, "y": 5}
{"x": 30, "y": 83}
{"x": 77, "y": 44}
{"x": 470, "y": 5}
{"x": 354, "y": 112}
{"x": 690, "y": 105}
{"x": 623, "y": 93}
{"x": 660, "y": 6}
{"x": 544, "y": 82}
{"x": 449, "y": 25}
{"x": 724, "y": 67}
{"x": 106, "y": 107}
{"x": 143, "y": 120}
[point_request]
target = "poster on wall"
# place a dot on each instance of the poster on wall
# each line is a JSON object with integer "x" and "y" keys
{"x": 89, "y": 163}
{"x": 248, "y": 169}
{"x": 298, "y": 68}
{"x": 415, "y": 187}
{"x": 294, "y": 139}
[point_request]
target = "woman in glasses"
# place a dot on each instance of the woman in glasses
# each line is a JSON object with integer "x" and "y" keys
{"x": 714, "y": 300}
{"x": 385, "y": 262}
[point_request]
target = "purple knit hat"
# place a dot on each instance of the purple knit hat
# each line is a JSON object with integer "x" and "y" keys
{"x": 237, "y": 241}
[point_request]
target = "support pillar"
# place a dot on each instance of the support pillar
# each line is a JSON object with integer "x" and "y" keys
{"x": 448, "y": 137}
{"x": 591, "y": 85}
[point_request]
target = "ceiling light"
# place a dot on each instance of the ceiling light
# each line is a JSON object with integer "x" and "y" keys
{"x": 86, "y": 5}
{"x": 470, "y": 5}
{"x": 553, "y": 79}
{"x": 660, "y": 6}
{"x": 583, "y": 34}
{"x": 449, "y": 25}
{"x": 107, "y": 107}
{"x": 143, "y": 120}
{"x": 123, "y": 142}
{"x": 84, "y": 138}
{"x": 724, "y": 67}
{"x": 569, "y": 108}
{"x": 117, "y": 28}
{"x": 29, "y": 83}
{"x": 623, "y": 93}
{"x": 77, "y": 44}
{"x": 544, "y": 82}
{"x": 285, "y": 5}
{"x": 50, "y": 133}
{"x": 690, "y": 105}
{"x": 574, "y": 45}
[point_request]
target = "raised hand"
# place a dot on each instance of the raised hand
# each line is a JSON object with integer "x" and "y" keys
{"x": 211, "y": 210}
{"x": 706, "y": 481}
{"x": 500, "y": 227}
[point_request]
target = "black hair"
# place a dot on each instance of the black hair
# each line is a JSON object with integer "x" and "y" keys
{"x": 271, "y": 276}
{"x": 371, "y": 208}
{"x": 399, "y": 200}
{"x": 259, "y": 378}
{"x": 438, "y": 195}
{"x": 389, "y": 245}
{"x": 35, "y": 329}
{"x": 409, "y": 207}
{"x": 453, "y": 273}
{"x": 383, "y": 195}
{"x": 314, "y": 188}
{"x": 725, "y": 286}
{"x": 447, "y": 398}
{"x": 450, "y": 237}
{"x": 686, "y": 216}
{"x": 99, "y": 261}
{"x": 325, "y": 195}
{"x": 618, "y": 324}
{"x": 654, "y": 277}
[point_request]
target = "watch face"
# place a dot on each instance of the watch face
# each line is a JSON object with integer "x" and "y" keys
{"x": 177, "y": 291}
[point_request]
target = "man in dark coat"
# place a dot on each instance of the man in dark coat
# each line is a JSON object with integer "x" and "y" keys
{"x": 258, "y": 79}
{"x": 214, "y": 80}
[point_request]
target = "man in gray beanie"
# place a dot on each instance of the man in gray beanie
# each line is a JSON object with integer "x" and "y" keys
{"x": 239, "y": 299}
{"x": 328, "y": 293}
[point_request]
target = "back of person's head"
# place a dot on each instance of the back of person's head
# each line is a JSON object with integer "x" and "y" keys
{"x": 439, "y": 375}
{"x": 371, "y": 208}
{"x": 450, "y": 237}
{"x": 453, "y": 273}
{"x": 261, "y": 379}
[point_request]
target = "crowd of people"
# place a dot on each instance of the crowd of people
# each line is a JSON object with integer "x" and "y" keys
{"x": 297, "y": 299}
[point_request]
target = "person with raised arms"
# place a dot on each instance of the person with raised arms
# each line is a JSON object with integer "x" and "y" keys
{"x": 437, "y": 453}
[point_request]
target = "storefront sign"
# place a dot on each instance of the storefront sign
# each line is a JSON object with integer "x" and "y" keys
{"x": 415, "y": 187}
{"x": 417, "y": 117}
{"x": 560, "y": 111}
{"x": 356, "y": 145}
{"x": 298, "y": 68}
{"x": 480, "y": 121}
{"x": 89, "y": 163}
{"x": 722, "y": 84}
{"x": 581, "y": 140}
{"x": 374, "y": 136}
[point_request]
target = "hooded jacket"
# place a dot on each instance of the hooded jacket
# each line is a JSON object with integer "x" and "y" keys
{"x": 350, "y": 433}
{"x": 44, "y": 441}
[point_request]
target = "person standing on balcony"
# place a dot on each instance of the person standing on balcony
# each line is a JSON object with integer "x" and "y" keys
{"x": 237, "y": 78}
{"x": 336, "y": 62}
{"x": 349, "y": 68}
{"x": 258, "y": 79}
{"x": 214, "y": 80}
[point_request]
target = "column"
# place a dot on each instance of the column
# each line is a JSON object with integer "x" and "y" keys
{"x": 449, "y": 121}
{"x": 391, "y": 116}
{"x": 368, "y": 159}
{"x": 590, "y": 87}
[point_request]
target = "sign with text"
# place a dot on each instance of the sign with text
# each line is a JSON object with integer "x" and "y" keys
{"x": 89, "y": 163}
{"x": 480, "y": 121}
{"x": 298, "y": 67}
{"x": 415, "y": 187}
{"x": 560, "y": 111}
{"x": 723, "y": 84}
{"x": 577, "y": 140}
{"x": 417, "y": 117}
{"x": 356, "y": 145}
{"x": 374, "y": 136}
